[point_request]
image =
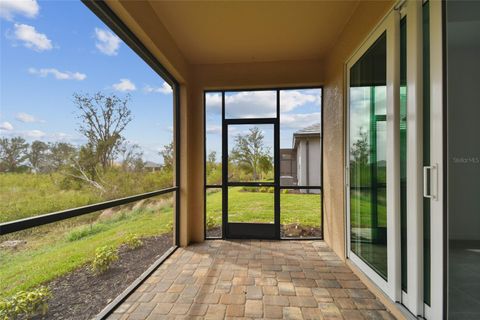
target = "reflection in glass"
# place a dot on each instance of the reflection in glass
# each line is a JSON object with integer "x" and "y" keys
{"x": 213, "y": 138}
{"x": 300, "y": 137}
{"x": 250, "y": 153}
{"x": 300, "y": 213}
{"x": 250, "y": 104}
{"x": 251, "y": 204}
{"x": 213, "y": 212}
{"x": 368, "y": 157}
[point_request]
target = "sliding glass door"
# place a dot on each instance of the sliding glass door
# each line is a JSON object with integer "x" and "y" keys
{"x": 371, "y": 230}
{"x": 394, "y": 158}
{"x": 368, "y": 211}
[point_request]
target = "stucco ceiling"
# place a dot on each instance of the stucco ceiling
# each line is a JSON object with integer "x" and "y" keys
{"x": 253, "y": 31}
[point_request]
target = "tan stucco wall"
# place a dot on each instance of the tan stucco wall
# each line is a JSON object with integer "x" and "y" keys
{"x": 365, "y": 18}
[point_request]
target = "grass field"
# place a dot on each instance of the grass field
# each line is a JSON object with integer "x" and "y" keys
{"x": 258, "y": 207}
{"x": 56, "y": 249}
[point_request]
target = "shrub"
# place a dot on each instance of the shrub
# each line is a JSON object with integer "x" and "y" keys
{"x": 250, "y": 189}
{"x": 104, "y": 257}
{"x": 133, "y": 241}
{"x": 25, "y": 303}
{"x": 85, "y": 232}
{"x": 211, "y": 223}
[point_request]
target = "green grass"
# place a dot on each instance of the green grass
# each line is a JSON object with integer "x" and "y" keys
{"x": 258, "y": 207}
{"x": 51, "y": 254}
{"x": 24, "y": 195}
{"x": 297, "y": 208}
{"x": 360, "y": 209}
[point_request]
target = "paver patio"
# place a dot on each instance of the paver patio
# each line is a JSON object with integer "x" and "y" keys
{"x": 253, "y": 280}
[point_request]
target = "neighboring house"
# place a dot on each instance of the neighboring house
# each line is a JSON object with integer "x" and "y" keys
{"x": 301, "y": 165}
{"x": 152, "y": 166}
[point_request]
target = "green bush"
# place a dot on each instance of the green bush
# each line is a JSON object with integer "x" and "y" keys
{"x": 250, "y": 189}
{"x": 133, "y": 241}
{"x": 25, "y": 303}
{"x": 85, "y": 232}
{"x": 211, "y": 222}
{"x": 104, "y": 257}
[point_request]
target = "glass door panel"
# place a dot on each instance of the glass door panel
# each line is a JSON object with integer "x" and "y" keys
{"x": 368, "y": 213}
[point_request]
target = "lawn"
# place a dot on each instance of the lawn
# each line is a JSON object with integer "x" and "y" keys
{"x": 299, "y": 208}
{"x": 56, "y": 249}
{"x": 247, "y": 206}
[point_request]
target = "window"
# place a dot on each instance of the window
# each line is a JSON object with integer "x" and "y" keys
{"x": 263, "y": 163}
{"x": 213, "y": 165}
{"x": 84, "y": 120}
{"x": 301, "y": 163}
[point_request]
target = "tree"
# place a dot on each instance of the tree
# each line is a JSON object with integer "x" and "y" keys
{"x": 102, "y": 121}
{"x": 37, "y": 155}
{"x": 13, "y": 152}
{"x": 360, "y": 149}
{"x": 61, "y": 154}
{"x": 131, "y": 155}
{"x": 212, "y": 158}
{"x": 214, "y": 169}
{"x": 250, "y": 154}
{"x": 168, "y": 154}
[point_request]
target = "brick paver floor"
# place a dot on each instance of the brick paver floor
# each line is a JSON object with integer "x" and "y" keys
{"x": 253, "y": 280}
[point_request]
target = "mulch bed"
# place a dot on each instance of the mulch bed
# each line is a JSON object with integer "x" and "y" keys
{"x": 82, "y": 294}
{"x": 298, "y": 231}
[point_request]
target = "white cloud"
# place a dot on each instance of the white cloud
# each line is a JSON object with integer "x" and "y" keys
{"x": 213, "y": 129}
{"x": 33, "y": 134}
{"x": 7, "y": 126}
{"x": 59, "y": 75}
{"x": 260, "y": 103}
{"x": 292, "y": 99}
{"x": 165, "y": 89}
{"x": 10, "y": 8}
{"x": 27, "y": 118}
{"x": 31, "y": 38}
{"x": 299, "y": 120}
{"x": 107, "y": 42}
{"x": 124, "y": 85}
{"x": 213, "y": 102}
{"x": 256, "y": 104}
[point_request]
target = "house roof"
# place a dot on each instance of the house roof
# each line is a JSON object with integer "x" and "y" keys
{"x": 313, "y": 129}
{"x": 151, "y": 164}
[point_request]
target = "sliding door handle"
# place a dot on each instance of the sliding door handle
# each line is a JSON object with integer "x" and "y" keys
{"x": 429, "y": 182}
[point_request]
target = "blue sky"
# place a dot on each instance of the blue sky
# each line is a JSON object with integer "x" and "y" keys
{"x": 298, "y": 109}
{"x": 52, "y": 49}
